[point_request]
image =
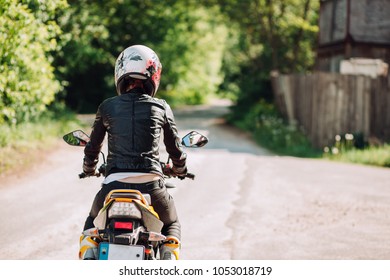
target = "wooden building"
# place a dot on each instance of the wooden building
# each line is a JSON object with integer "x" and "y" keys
{"x": 352, "y": 29}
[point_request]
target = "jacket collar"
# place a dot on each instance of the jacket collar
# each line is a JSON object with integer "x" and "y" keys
{"x": 137, "y": 91}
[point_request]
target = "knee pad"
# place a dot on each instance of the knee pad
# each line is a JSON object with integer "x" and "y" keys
{"x": 170, "y": 249}
{"x": 88, "y": 248}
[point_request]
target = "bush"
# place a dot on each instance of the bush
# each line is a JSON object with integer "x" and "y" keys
{"x": 27, "y": 82}
{"x": 271, "y": 131}
{"x": 21, "y": 143}
{"x": 351, "y": 148}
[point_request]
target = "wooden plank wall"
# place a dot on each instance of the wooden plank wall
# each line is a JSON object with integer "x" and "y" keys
{"x": 327, "y": 104}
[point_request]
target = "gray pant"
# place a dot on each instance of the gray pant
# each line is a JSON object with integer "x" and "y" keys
{"x": 162, "y": 203}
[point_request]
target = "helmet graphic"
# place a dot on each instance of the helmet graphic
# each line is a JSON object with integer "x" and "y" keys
{"x": 138, "y": 62}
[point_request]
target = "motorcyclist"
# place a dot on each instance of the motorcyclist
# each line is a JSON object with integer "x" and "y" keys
{"x": 134, "y": 121}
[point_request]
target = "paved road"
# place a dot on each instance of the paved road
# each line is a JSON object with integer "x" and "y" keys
{"x": 245, "y": 203}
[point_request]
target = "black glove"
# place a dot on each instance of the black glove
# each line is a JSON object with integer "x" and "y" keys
{"x": 179, "y": 171}
{"x": 89, "y": 166}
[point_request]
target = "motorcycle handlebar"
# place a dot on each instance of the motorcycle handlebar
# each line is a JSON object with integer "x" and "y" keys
{"x": 167, "y": 170}
{"x": 83, "y": 175}
{"x": 188, "y": 175}
{"x": 100, "y": 171}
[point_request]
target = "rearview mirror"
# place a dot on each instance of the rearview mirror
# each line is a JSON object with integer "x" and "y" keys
{"x": 194, "y": 140}
{"x": 76, "y": 138}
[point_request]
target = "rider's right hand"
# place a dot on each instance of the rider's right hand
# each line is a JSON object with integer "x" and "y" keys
{"x": 179, "y": 171}
{"x": 90, "y": 173}
{"x": 89, "y": 167}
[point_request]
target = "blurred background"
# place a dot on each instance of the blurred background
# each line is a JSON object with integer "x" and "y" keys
{"x": 277, "y": 62}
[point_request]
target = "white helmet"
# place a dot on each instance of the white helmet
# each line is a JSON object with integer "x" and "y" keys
{"x": 138, "y": 62}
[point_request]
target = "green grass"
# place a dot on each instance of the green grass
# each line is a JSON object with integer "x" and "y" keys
{"x": 379, "y": 156}
{"x": 21, "y": 144}
{"x": 270, "y": 131}
{"x": 345, "y": 151}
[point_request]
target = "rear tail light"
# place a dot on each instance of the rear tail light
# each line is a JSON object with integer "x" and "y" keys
{"x": 123, "y": 225}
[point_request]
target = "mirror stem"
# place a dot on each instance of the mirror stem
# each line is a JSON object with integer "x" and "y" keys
{"x": 104, "y": 158}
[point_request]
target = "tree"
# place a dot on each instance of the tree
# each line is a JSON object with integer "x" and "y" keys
{"x": 27, "y": 81}
{"x": 273, "y": 35}
{"x": 188, "y": 39}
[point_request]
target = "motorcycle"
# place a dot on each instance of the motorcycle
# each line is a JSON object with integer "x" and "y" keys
{"x": 127, "y": 227}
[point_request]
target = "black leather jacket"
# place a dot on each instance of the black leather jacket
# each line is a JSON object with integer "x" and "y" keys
{"x": 134, "y": 122}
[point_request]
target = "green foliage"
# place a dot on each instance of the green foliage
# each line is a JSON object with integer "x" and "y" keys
{"x": 84, "y": 61}
{"x": 192, "y": 53}
{"x": 266, "y": 36}
{"x": 205, "y": 47}
{"x": 349, "y": 148}
{"x": 27, "y": 82}
{"x": 375, "y": 155}
{"x": 65, "y": 50}
{"x": 49, "y": 125}
{"x": 272, "y": 35}
{"x": 270, "y": 131}
{"x": 188, "y": 39}
{"x": 24, "y": 143}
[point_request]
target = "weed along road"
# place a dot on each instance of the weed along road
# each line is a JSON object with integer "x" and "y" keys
{"x": 245, "y": 203}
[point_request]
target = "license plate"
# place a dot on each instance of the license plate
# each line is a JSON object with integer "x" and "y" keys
{"x": 109, "y": 251}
